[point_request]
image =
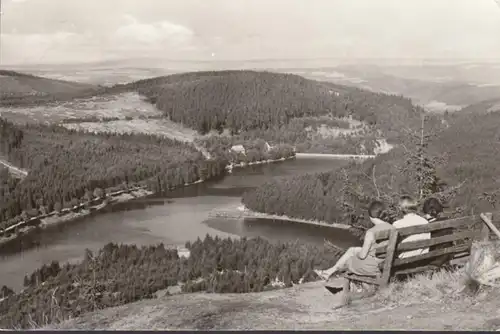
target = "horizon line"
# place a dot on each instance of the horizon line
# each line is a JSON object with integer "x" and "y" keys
{"x": 255, "y": 60}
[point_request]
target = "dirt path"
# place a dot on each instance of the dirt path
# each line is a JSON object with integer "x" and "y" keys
{"x": 308, "y": 306}
{"x": 13, "y": 169}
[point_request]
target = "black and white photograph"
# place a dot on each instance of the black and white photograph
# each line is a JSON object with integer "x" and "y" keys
{"x": 249, "y": 165}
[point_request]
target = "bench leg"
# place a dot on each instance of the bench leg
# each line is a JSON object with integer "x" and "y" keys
{"x": 346, "y": 292}
{"x": 345, "y": 296}
{"x": 367, "y": 290}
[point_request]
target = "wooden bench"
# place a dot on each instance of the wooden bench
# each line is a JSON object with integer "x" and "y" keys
{"x": 462, "y": 237}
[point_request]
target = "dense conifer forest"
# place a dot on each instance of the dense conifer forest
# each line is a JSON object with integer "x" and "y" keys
{"x": 120, "y": 274}
{"x": 241, "y": 101}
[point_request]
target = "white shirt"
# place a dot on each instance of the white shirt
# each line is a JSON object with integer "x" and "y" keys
{"x": 412, "y": 219}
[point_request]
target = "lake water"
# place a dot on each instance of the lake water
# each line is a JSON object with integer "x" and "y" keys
{"x": 181, "y": 217}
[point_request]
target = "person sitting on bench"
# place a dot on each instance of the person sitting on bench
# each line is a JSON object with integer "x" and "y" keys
{"x": 409, "y": 208}
{"x": 432, "y": 210}
{"x": 362, "y": 260}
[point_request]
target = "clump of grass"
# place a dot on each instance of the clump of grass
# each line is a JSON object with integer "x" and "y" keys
{"x": 431, "y": 287}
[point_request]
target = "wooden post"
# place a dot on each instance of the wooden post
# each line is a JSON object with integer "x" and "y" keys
{"x": 389, "y": 258}
{"x": 488, "y": 221}
{"x": 485, "y": 231}
{"x": 346, "y": 292}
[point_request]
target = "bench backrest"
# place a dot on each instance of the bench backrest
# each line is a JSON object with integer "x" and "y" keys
{"x": 462, "y": 238}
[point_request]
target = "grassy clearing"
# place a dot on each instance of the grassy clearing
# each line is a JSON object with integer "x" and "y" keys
{"x": 121, "y": 105}
{"x": 438, "y": 287}
{"x": 162, "y": 127}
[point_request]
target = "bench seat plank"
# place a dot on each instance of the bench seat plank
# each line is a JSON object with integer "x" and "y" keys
{"x": 364, "y": 279}
{"x": 415, "y": 270}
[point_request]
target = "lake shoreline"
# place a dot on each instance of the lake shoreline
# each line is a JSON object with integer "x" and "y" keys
{"x": 68, "y": 215}
{"x": 242, "y": 212}
{"x": 27, "y": 228}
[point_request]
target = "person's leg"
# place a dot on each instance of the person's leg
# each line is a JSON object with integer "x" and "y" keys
{"x": 341, "y": 263}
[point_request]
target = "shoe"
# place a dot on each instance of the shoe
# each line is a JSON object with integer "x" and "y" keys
{"x": 322, "y": 274}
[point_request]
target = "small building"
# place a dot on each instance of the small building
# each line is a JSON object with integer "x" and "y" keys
{"x": 238, "y": 149}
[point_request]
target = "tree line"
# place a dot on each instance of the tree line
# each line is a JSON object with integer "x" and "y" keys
{"x": 120, "y": 274}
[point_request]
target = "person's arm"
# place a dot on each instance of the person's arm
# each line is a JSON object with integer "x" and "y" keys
{"x": 367, "y": 245}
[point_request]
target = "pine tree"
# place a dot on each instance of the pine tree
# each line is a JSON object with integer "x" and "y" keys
{"x": 420, "y": 166}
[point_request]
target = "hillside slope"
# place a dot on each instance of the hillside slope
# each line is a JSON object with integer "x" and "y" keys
{"x": 461, "y": 168}
{"x": 64, "y": 166}
{"x": 481, "y": 108}
{"x": 307, "y": 306}
{"x": 313, "y": 116}
{"x": 428, "y": 90}
{"x": 16, "y": 88}
{"x": 250, "y": 100}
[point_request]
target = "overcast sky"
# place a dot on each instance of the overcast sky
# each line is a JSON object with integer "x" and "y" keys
{"x": 42, "y": 31}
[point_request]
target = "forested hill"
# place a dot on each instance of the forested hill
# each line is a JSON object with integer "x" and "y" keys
{"x": 65, "y": 166}
{"x": 20, "y": 88}
{"x": 457, "y": 165}
{"x": 246, "y": 100}
{"x": 238, "y": 100}
{"x": 312, "y": 116}
{"x": 484, "y": 107}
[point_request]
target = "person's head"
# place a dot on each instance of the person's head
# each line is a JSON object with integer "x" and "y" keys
{"x": 407, "y": 204}
{"x": 432, "y": 208}
{"x": 376, "y": 212}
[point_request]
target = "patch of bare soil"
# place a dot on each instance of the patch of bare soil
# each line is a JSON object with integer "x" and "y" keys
{"x": 306, "y": 306}
{"x": 356, "y": 128}
{"x": 162, "y": 127}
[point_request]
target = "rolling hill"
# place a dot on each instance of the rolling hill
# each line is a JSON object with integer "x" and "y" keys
{"x": 313, "y": 116}
{"x": 249, "y": 100}
{"x": 481, "y": 108}
{"x": 20, "y": 88}
{"x": 437, "y": 88}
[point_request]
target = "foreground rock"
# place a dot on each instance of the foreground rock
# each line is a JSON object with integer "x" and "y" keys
{"x": 308, "y": 306}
